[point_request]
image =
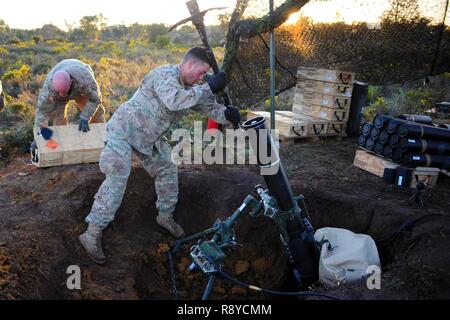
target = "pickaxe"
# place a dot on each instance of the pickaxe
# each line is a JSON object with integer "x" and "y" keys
{"x": 197, "y": 20}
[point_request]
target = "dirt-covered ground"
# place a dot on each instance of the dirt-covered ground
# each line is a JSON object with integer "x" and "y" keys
{"x": 42, "y": 213}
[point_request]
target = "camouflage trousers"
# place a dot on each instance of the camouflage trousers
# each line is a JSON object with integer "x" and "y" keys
{"x": 115, "y": 163}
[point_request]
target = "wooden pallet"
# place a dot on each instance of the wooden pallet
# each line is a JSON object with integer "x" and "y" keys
{"x": 73, "y": 146}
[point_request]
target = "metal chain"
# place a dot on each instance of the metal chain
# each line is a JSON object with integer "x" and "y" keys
{"x": 174, "y": 275}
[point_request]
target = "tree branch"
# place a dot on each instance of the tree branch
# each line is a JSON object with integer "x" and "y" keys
{"x": 248, "y": 28}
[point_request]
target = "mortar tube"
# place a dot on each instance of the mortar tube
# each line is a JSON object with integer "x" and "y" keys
{"x": 303, "y": 253}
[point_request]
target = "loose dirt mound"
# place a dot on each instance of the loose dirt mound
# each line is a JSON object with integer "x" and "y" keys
{"x": 42, "y": 212}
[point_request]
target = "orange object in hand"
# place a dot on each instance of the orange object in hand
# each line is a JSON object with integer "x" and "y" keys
{"x": 52, "y": 144}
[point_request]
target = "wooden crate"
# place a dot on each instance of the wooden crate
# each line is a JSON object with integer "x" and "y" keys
{"x": 73, "y": 146}
{"x": 426, "y": 175}
{"x": 372, "y": 163}
{"x": 324, "y": 100}
{"x": 336, "y": 89}
{"x": 326, "y": 75}
{"x": 337, "y": 127}
{"x": 317, "y": 111}
{"x": 316, "y": 126}
{"x": 290, "y": 124}
{"x": 376, "y": 165}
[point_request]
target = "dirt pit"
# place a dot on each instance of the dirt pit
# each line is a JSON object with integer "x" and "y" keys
{"x": 42, "y": 213}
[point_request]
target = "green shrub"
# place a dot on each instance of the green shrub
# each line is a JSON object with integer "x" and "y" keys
{"x": 372, "y": 94}
{"x": 20, "y": 74}
{"x": 379, "y": 106}
{"x": 162, "y": 41}
{"x": 16, "y": 141}
{"x": 417, "y": 101}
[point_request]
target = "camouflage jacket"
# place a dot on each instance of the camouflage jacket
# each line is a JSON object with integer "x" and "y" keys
{"x": 161, "y": 100}
{"x": 83, "y": 85}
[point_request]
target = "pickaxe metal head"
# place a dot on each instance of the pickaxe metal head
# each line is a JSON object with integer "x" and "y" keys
{"x": 197, "y": 19}
{"x": 197, "y": 16}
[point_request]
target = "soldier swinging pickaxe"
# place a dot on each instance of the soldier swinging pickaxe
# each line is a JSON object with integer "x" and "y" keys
{"x": 197, "y": 19}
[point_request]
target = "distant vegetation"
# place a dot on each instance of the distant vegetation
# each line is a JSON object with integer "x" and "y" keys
{"x": 120, "y": 56}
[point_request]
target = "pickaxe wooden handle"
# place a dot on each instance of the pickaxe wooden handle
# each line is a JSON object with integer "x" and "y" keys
{"x": 197, "y": 20}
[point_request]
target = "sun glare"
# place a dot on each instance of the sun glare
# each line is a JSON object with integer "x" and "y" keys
{"x": 293, "y": 17}
{"x": 341, "y": 11}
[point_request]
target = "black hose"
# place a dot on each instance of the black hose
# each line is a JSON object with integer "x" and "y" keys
{"x": 405, "y": 225}
{"x": 275, "y": 292}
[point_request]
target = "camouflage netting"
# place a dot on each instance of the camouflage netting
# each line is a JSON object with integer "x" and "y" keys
{"x": 410, "y": 41}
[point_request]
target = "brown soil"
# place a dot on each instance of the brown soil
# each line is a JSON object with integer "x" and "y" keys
{"x": 42, "y": 212}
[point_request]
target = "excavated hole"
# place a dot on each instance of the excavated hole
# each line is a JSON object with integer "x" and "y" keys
{"x": 414, "y": 264}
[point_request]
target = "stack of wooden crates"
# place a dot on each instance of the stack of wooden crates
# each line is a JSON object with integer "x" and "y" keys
{"x": 71, "y": 145}
{"x": 325, "y": 94}
{"x": 321, "y": 105}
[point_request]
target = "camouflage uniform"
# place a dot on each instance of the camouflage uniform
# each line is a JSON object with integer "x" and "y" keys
{"x": 84, "y": 90}
{"x": 139, "y": 125}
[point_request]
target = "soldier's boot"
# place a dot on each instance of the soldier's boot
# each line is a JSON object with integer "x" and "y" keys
{"x": 166, "y": 221}
{"x": 92, "y": 243}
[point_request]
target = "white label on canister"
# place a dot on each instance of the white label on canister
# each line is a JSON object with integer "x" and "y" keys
{"x": 416, "y": 158}
{"x": 323, "y": 114}
{"x": 325, "y": 102}
{"x": 411, "y": 141}
{"x": 400, "y": 180}
{"x": 326, "y": 89}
